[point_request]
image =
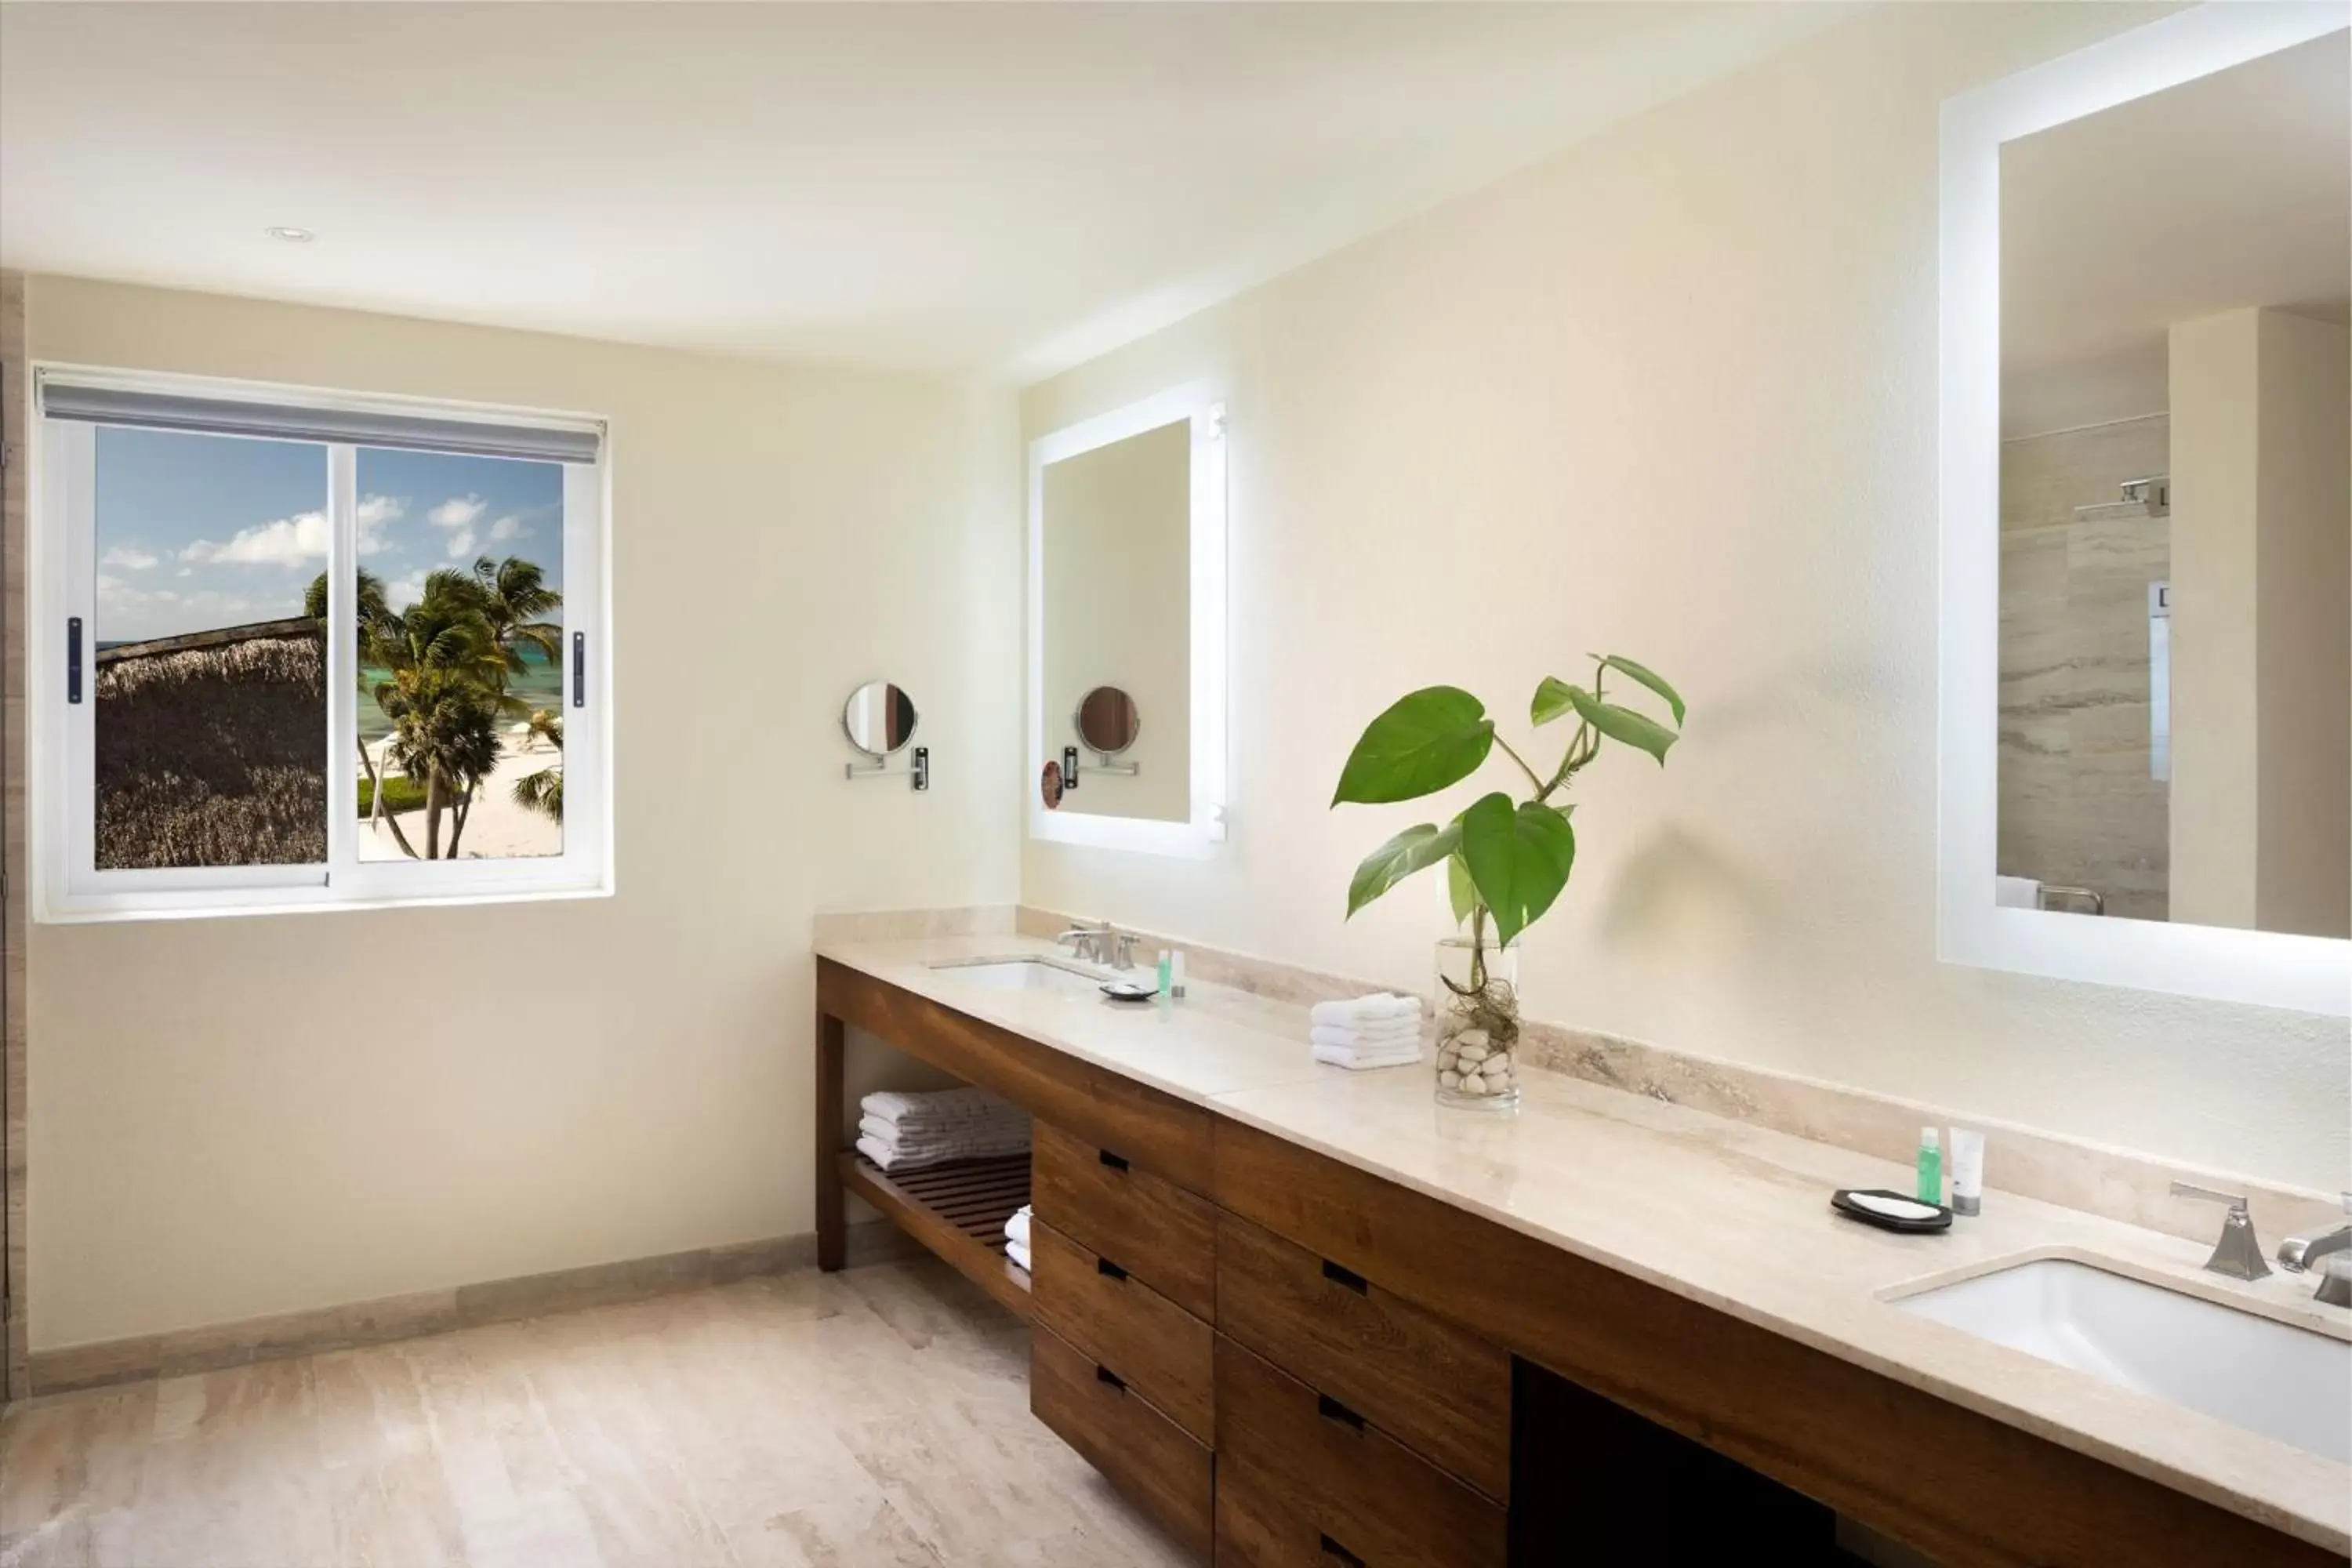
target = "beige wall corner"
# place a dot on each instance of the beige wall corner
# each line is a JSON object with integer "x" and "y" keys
{"x": 15, "y": 387}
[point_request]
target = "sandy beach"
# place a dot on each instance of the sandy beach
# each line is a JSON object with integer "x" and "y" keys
{"x": 496, "y": 828}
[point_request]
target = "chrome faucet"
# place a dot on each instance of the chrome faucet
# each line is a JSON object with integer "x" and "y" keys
{"x": 2238, "y": 1253}
{"x": 2299, "y": 1253}
{"x": 1105, "y": 943}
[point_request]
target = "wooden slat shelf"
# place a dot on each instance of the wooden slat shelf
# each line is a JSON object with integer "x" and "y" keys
{"x": 957, "y": 1210}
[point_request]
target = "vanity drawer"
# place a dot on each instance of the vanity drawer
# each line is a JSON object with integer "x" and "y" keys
{"x": 1166, "y": 1235}
{"x": 1146, "y": 1456}
{"x": 1165, "y": 1353}
{"x": 1302, "y": 1478}
{"x": 1431, "y": 1384}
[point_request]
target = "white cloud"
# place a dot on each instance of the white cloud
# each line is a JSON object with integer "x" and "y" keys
{"x": 375, "y": 513}
{"x": 130, "y": 557}
{"x": 185, "y": 572}
{"x": 462, "y": 543}
{"x": 458, "y": 511}
{"x": 405, "y": 591}
{"x": 510, "y": 526}
{"x": 289, "y": 542}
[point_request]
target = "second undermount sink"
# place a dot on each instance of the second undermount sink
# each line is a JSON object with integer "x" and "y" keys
{"x": 1022, "y": 973}
{"x": 2275, "y": 1378}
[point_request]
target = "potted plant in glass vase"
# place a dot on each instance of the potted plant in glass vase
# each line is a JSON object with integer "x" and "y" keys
{"x": 1506, "y": 859}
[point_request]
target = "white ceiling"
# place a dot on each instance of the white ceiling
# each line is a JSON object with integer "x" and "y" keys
{"x": 2233, "y": 190}
{"x": 973, "y": 188}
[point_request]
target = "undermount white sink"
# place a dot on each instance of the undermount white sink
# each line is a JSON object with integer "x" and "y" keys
{"x": 1023, "y": 975}
{"x": 2284, "y": 1381}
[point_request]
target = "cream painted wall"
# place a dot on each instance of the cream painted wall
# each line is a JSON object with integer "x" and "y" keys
{"x": 1671, "y": 393}
{"x": 2216, "y": 391}
{"x": 239, "y": 1116}
{"x": 2305, "y": 632}
{"x": 2263, "y": 623}
{"x": 1118, "y": 586}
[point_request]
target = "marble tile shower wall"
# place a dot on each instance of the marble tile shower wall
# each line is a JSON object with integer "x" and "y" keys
{"x": 2077, "y": 804}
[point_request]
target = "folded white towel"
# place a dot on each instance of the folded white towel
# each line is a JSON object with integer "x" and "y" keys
{"x": 931, "y": 1105}
{"x": 1386, "y": 1035}
{"x": 1363, "y": 1010}
{"x": 1016, "y": 1229}
{"x": 893, "y": 1157}
{"x": 912, "y": 1137}
{"x": 1358, "y": 1061}
{"x": 1018, "y": 1253}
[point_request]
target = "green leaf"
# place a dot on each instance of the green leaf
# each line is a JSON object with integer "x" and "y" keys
{"x": 1649, "y": 678}
{"x": 1518, "y": 857}
{"x": 1412, "y": 850}
{"x": 1434, "y": 737}
{"x": 1459, "y": 888}
{"x": 1625, "y": 724}
{"x": 1553, "y": 697}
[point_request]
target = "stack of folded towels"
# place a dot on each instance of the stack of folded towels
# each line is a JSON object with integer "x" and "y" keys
{"x": 1016, "y": 1235}
{"x": 1375, "y": 1031}
{"x": 901, "y": 1131}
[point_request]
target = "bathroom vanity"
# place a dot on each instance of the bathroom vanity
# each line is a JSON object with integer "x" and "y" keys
{"x": 1303, "y": 1316}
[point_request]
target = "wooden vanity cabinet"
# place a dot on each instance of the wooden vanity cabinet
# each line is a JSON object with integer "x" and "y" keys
{"x": 1285, "y": 1360}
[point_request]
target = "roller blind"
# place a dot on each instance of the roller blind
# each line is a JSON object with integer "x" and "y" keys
{"x": 297, "y": 422}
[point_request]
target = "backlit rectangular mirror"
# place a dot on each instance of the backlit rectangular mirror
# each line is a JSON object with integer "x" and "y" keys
{"x": 2147, "y": 511}
{"x": 1126, "y": 628}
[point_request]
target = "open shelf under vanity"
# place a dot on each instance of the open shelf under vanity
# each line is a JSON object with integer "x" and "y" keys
{"x": 957, "y": 1210}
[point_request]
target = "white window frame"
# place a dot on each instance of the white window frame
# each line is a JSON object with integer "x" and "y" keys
{"x": 68, "y": 888}
{"x": 2307, "y": 973}
{"x": 1197, "y": 837}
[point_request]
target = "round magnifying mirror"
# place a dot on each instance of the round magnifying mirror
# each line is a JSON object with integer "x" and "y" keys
{"x": 879, "y": 719}
{"x": 1107, "y": 721}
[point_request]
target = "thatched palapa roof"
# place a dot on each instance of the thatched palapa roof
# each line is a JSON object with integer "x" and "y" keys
{"x": 212, "y": 748}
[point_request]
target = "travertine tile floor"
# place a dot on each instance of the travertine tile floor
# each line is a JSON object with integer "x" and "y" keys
{"x": 877, "y": 1417}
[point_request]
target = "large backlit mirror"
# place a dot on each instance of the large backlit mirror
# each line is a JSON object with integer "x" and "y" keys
{"x": 1127, "y": 625}
{"x": 2147, "y": 686}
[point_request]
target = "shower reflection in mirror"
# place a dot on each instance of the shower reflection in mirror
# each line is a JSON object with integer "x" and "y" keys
{"x": 2176, "y": 279}
{"x": 879, "y": 720}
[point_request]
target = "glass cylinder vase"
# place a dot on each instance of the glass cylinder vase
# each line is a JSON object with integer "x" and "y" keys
{"x": 1476, "y": 1004}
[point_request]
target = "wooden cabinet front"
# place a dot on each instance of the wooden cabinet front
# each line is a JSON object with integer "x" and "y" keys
{"x": 1159, "y": 1349}
{"x": 1166, "y": 1236}
{"x": 1304, "y": 1478}
{"x": 1163, "y": 1470}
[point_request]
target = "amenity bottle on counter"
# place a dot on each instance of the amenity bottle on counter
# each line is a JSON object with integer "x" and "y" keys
{"x": 1931, "y": 1167}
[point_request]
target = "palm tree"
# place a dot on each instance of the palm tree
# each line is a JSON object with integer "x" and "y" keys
{"x": 543, "y": 792}
{"x": 372, "y": 612}
{"x": 446, "y": 681}
{"x": 517, "y": 601}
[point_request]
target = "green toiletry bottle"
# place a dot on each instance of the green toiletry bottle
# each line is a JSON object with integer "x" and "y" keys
{"x": 1931, "y": 1167}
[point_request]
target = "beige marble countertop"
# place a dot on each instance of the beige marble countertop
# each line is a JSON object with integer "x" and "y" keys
{"x": 1729, "y": 1215}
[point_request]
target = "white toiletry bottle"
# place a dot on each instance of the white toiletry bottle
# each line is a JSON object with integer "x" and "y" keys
{"x": 1967, "y": 1171}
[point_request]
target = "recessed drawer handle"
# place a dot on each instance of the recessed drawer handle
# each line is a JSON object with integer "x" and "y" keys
{"x": 1116, "y": 1162}
{"x": 1348, "y": 1277}
{"x": 1110, "y": 1270}
{"x": 1332, "y": 1409}
{"x": 1105, "y": 1374}
{"x": 1339, "y": 1553}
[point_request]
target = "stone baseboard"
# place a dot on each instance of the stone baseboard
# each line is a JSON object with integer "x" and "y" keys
{"x": 63, "y": 1368}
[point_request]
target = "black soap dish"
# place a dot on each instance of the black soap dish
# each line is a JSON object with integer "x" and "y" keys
{"x": 1890, "y": 1210}
{"x": 1128, "y": 991}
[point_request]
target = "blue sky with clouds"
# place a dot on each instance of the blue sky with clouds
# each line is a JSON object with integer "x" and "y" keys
{"x": 199, "y": 531}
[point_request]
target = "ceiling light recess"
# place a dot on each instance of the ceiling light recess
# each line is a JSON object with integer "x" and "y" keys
{"x": 290, "y": 234}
